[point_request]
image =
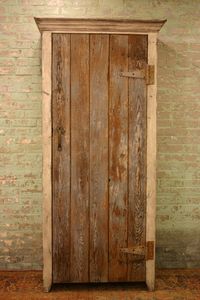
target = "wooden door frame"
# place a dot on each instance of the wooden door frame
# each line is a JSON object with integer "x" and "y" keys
{"x": 47, "y": 27}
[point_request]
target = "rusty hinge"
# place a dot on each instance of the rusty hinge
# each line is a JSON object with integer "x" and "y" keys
{"x": 141, "y": 252}
{"x": 150, "y": 250}
{"x": 147, "y": 73}
{"x": 134, "y": 74}
{"x": 150, "y": 74}
{"x": 137, "y": 250}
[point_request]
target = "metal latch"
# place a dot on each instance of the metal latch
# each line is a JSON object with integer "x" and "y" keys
{"x": 60, "y": 131}
{"x": 140, "y": 252}
{"x": 147, "y": 73}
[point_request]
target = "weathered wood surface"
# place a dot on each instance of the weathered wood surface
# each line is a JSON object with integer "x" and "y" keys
{"x": 137, "y": 155}
{"x": 151, "y": 160}
{"x": 61, "y": 159}
{"x": 98, "y": 25}
{"x": 79, "y": 157}
{"x": 118, "y": 155}
{"x": 100, "y": 174}
{"x": 99, "y": 49}
{"x": 47, "y": 160}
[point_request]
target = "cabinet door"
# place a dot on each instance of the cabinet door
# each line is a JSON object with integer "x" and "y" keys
{"x": 99, "y": 157}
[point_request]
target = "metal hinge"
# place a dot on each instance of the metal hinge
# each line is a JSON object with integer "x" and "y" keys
{"x": 147, "y": 73}
{"x": 137, "y": 250}
{"x": 150, "y": 74}
{"x": 150, "y": 250}
{"x": 141, "y": 252}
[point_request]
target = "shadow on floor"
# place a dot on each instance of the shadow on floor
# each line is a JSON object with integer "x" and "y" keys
{"x": 170, "y": 284}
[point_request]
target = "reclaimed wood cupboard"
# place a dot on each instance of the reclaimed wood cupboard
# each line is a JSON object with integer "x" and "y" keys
{"x": 99, "y": 149}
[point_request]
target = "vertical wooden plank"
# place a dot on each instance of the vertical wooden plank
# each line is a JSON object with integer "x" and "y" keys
{"x": 99, "y": 52}
{"x": 46, "y": 133}
{"x": 151, "y": 159}
{"x": 118, "y": 135}
{"x": 137, "y": 155}
{"x": 61, "y": 159}
{"x": 79, "y": 157}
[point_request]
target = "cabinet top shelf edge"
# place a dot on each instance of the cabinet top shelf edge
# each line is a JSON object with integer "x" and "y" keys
{"x": 76, "y": 25}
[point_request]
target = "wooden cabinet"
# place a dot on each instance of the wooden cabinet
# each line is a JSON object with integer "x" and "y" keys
{"x": 99, "y": 137}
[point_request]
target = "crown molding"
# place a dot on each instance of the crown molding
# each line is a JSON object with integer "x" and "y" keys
{"x": 123, "y": 26}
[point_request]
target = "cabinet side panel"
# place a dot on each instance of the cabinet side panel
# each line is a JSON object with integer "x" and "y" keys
{"x": 47, "y": 183}
{"x": 151, "y": 159}
{"x": 61, "y": 158}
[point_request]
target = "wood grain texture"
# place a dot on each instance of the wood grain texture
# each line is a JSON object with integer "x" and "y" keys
{"x": 122, "y": 26}
{"x": 137, "y": 155}
{"x": 151, "y": 160}
{"x": 125, "y": 215}
{"x": 118, "y": 154}
{"x": 61, "y": 159}
{"x": 47, "y": 160}
{"x": 99, "y": 49}
{"x": 79, "y": 157}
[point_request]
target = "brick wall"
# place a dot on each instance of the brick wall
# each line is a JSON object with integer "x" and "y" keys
{"x": 178, "y": 209}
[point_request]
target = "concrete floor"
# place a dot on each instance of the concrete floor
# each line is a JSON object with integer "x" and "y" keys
{"x": 170, "y": 284}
